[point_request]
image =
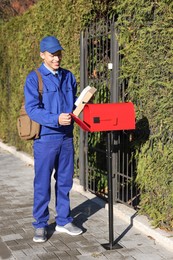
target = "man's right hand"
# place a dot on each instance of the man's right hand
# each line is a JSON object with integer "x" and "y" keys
{"x": 64, "y": 119}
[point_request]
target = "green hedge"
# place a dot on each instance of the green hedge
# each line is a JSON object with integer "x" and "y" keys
{"x": 146, "y": 39}
{"x": 19, "y": 54}
{"x": 145, "y": 36}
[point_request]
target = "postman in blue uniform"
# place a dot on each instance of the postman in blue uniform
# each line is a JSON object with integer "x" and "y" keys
{"x": 54, "y": 150}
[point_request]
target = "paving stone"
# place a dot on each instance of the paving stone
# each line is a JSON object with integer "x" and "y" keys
{"x": 50, "y": 248}
{"x": 113, "y": 254}
{"x": 129, "y": 258}
{"x": 37, "y": 250}
{"x": 46, "y": 256}
{"x": 65, "y": 238}
{"x": 11, "y": 237}
{"x": 11, "y": 243}
{"x": 131, "y": 244}
{"x": 16, "y": 229}
{"x": 62, "y": 255}
{"x": 92, "y": 257}
{"x": 19, "y": 254}
{"x": 5, "y": 253}
{"x": 167, "y": 254}
{"x": 19, "y": 247}
{"x": 73, "y": 252}
{"x": 90, "y": 249}
{"x": 86, "y": 243}
{"x": 151, "y": 256}
{"x": 73, "y": 245}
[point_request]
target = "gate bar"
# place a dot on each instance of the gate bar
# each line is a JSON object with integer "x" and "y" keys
{"x": 112, "y": 244}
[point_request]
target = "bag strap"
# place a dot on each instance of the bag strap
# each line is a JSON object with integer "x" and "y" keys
{"x": 40, "y": 82}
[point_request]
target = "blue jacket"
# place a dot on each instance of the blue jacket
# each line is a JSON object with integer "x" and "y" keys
{"x": 58, "y": 97}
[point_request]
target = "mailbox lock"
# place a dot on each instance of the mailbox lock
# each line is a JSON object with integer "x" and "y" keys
{"x": 96, "y": 120}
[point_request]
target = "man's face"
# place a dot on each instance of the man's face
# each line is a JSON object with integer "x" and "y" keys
{"x": 52, "y": 60}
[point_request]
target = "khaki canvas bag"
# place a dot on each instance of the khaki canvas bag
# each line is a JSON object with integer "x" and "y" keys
{"x": 27, "y": 128}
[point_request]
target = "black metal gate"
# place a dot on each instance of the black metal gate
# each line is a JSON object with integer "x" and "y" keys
{"x": 100, "y": 67}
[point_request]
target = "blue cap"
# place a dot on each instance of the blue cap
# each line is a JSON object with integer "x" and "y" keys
{"x": 50, "y": 44}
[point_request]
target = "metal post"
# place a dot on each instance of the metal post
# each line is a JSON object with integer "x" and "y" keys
{"x": 111, "y": 245}
{"x": 82, "y": 83}
{"x": 110, "y": 195}
{"x": 114, "y": 98}
{"x": 115, "y": 68}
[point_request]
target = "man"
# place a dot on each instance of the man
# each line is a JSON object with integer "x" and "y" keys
{"x": 53, "y": 151}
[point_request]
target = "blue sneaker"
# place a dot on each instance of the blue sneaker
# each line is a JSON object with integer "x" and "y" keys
{"x": 40, "y": 235}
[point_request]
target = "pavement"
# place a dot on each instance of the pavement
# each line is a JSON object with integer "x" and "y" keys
{"x": 134, "y": 237}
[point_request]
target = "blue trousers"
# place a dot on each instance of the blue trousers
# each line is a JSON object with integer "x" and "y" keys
{"x": 53, "y": 154}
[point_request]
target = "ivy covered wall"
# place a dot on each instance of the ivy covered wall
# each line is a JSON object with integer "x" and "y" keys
{"x": 19, "y": 52}
{"x": 146, "y": 37}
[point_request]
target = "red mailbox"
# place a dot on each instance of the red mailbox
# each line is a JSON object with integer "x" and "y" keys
{"x": 107, "y": 117}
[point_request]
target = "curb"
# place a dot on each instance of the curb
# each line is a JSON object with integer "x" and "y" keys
{"x": 122, "y": 211}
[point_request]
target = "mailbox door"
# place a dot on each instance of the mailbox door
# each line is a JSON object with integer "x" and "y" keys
{"x": 82, "y": 125}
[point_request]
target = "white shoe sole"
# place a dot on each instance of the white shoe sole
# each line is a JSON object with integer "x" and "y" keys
{"x": 39, "y": 240}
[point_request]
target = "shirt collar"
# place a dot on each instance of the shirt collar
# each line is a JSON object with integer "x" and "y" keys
{"x": 53, "y": 72}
